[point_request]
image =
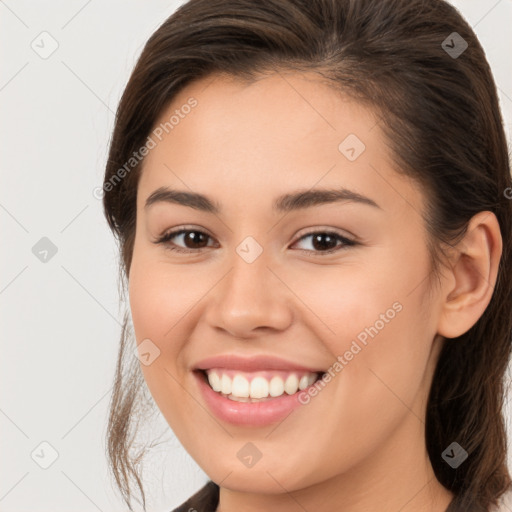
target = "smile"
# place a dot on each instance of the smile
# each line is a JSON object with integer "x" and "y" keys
{"x": 258, "y": 386}
{"x": 258, "y": 407}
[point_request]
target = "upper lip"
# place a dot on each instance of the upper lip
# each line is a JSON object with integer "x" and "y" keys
{"x": 254, "y": 363}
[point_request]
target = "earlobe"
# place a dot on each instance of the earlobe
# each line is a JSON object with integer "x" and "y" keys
{"x": 472, "y": 277}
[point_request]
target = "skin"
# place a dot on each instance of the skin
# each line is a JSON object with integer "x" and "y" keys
{"x": 360, "y": 442}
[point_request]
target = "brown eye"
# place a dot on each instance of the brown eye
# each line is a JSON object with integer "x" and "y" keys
{"x": 192, "y": 240}
{"x": 185, "y": 240}
{"x": 325, "y": 242}
{"x": 195, "y": 239}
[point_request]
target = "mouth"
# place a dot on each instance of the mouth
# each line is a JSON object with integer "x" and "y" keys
{"x": 254, "y": 391}
{"x": 259, "y": 386}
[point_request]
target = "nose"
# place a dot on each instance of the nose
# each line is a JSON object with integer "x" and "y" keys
{"x": 250, "y": 300}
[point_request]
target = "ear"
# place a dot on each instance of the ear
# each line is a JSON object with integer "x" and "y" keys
{"x": 471, "y": 280}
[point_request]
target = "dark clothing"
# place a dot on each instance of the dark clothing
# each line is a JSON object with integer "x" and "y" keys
{"x": 204, "y": 500}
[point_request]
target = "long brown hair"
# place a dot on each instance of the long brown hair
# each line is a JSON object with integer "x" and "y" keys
{"x": 440, "y": 115}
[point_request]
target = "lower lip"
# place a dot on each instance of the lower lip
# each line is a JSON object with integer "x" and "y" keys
{"x": 256, "y": 414}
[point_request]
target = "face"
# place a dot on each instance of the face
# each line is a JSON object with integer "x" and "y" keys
{"x": 279, "y": 280}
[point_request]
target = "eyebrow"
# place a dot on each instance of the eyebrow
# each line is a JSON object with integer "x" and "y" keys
{"x": 298, "y": 200}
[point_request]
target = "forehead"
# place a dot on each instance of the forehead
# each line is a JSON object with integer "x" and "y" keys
{"x": 281, "y": 110}
{"x": 282, "y": 131}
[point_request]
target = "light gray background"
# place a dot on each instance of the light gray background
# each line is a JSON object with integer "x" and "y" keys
{"x": 60, "y": 320}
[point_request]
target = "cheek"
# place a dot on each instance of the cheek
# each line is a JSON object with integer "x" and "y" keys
{"x": 165, "y": 303}
{"x": 161, "y": 296}
{"x": 157, "y": 303}
{"x": 390, "y": 349}
{"x": 376, "y": 320}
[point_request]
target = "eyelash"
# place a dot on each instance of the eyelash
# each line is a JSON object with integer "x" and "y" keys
{"x": 166, "y": 237}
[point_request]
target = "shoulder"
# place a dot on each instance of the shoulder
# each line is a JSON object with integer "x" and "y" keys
{"x": 204, "y": 500}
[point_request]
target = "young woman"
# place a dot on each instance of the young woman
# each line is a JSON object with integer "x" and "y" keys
{"x": 312, "y": 200}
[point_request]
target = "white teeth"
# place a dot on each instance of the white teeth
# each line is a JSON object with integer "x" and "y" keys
{"x": 259, "y": 387}
{"x": 303, "y": 382}
{"x": 225, "y": 385}
{"x": 292, "y": 384}
{"x": 276, "y": 386}
{"x": 215, "y": 381}
{"x": 241, "y": 386}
